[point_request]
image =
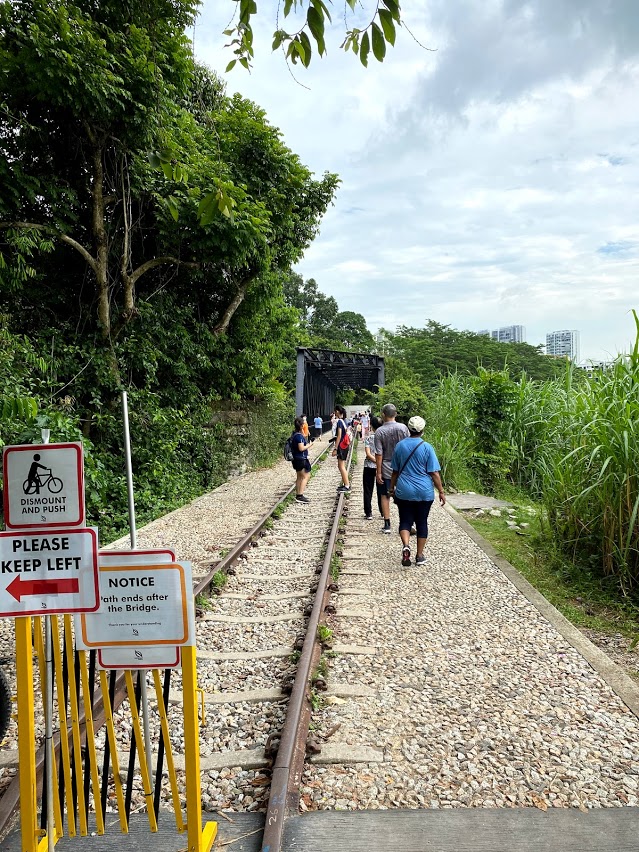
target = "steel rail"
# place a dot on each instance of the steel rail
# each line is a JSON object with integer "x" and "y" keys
{"x": 245, "y": 542}
{"x": 289, "y": 763}
{"x": 10, "y": 799}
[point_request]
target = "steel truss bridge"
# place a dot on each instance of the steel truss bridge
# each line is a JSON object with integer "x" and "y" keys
{"x": 321, "y": 373}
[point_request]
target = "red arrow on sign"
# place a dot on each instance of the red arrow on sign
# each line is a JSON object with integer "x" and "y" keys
{"x": 20, "y": 588}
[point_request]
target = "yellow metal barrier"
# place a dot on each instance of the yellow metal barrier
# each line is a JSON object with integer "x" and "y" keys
{"x": 77, "y": 720}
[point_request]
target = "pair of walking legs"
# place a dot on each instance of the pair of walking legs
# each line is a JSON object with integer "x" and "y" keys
{"x": 369, "y": 483}
{"x": 301, "y": 480}
{"x": 414, "y": 512}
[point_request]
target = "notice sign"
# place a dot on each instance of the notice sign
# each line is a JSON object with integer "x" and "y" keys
{"x": 140, "y": 605}
{"x": 142, "y": 656}
{"x": 43, "y": 486}
{"x": 49, "y": 572}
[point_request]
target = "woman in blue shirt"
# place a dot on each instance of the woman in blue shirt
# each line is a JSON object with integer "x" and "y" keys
{"x": 413, "y": 482}
{"x": 300, "y": 461}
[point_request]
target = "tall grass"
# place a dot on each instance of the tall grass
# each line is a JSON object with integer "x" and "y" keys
{"x": 576, "y": 447}
{"x": 448, "y": 429}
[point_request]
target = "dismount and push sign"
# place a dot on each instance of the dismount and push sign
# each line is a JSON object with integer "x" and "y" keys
{"x": 49, "y": 573}
{"x": 140, "y": 605}
{"x": 43, "y": 486}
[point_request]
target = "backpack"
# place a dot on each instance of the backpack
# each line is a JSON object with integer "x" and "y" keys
{"x": 288, "y": 449}
{"x": 345, "y": 442}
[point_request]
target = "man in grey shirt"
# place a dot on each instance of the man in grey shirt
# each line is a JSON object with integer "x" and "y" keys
{"x": 389, "y": 434}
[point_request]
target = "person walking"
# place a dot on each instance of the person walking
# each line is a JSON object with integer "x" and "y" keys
{"x": 370, "y": 471}
{"x": 318, "y": 427}
{"x": 300, "y": 461}
{"x": 389, "y": 434}
{"x": 342, "y": 443}
{"x": 305, "y": 430}
{"x": 366, "y": 423}
{"x": 413, "y": 481}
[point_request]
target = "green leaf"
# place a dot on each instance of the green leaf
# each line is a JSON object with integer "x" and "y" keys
{"x": 278, "y": 38}
{"x": 393, "y": 8}
{"x": 287, "y": 7}
{"x": 322, "y": 7}
{"x": 154, "y": 161}
{"x": 206, "y": 204}
{"x": 231, "y": 65}
{"x": 173, "y": 208}
{"x": 387, "y": 25}
{"x": 244, "y": 61}
{"x": 316, "y": 26}
{"x": 299, "y": 48}
{"x": 379, "y": 44}
{"x": 364, "y": 50}
{"x": 306, "y": 44}
{"x": 167, "y": 168}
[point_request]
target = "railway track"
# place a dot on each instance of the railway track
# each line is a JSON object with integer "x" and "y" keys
{"x": 259, "y": 669}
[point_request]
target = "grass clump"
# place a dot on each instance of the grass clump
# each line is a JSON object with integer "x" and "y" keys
{"x": 582, "y": 595}
{"x": 324, "y": 634}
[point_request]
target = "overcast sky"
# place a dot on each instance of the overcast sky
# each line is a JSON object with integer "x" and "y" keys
{"x": 492, "y": 181}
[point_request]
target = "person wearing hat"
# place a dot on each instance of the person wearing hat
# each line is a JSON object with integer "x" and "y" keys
{"x": 389, "y": 434}
{"x": 414, "y": 479}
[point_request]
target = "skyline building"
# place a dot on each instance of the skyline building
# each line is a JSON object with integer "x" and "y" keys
{"x": 506, "y": 334}
{"x": 563, "y": 344}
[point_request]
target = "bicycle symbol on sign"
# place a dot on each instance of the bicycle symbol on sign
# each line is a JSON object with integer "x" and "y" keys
{"x": 35, "y": 480}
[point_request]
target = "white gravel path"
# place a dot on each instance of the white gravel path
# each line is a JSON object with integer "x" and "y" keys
{"x": 480, "y": 702}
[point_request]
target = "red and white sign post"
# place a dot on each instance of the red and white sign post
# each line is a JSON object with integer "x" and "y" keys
{"x": 43, "y": 486}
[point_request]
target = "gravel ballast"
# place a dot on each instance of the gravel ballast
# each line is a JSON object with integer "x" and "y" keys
{"x": 479, "y": 700}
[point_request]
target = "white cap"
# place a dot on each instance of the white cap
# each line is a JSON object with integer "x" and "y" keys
{"x": 416, "y": 424}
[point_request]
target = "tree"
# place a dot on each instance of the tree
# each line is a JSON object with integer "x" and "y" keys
{"x": 375, "y": 34}
{"x": 437, "y": 350}
{"x": 322, "y": 324}
{"x": 93, "y": 90}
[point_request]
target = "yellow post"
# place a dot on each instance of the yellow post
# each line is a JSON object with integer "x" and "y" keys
{"x": 64, "y": 730}
{"x": 26, "y": 735}
{"x": 197, "y": 840}
{"x": 74, "y": 711}
{"x": 170, "y": 764}
{"x": 113, "y": 746}
{"x": 145, "y": 769}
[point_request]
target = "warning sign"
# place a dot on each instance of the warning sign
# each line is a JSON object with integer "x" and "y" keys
{"x": 141, "y": 656}
{"x": 141, "y": 605}
{"x": 50, "y": 572}
{"x": 43, "y": 486}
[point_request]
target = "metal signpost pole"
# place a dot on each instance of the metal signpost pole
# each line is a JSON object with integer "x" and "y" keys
{"x": 48, "y": 703}
{"x": 144, "y": 699}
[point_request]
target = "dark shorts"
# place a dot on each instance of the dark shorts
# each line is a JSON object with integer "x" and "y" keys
{"x": 384, "y": 488}
{"x": 414, "y": 512}
{"x": 301, "y": 464}
{"x": 342, "y": 455}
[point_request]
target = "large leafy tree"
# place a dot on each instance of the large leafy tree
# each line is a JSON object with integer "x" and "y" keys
{"x": 151, "y": 186}
{"x": 437, "y": 350}
{"x": 322, "y": 324}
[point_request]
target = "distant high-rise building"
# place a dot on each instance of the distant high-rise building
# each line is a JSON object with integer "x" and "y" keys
{"x": 563, "y": 344}
{"x": 506, "y": 334}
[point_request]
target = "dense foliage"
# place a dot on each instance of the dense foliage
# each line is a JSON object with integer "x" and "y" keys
{"x": 437, "y": 350}
{"x": 147, "y": 221}
{"x": 571, "y": 442}
{"x": 322, "y": 324}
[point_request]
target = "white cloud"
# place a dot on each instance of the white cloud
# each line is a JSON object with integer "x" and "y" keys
{"x": 492, "y": 182}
